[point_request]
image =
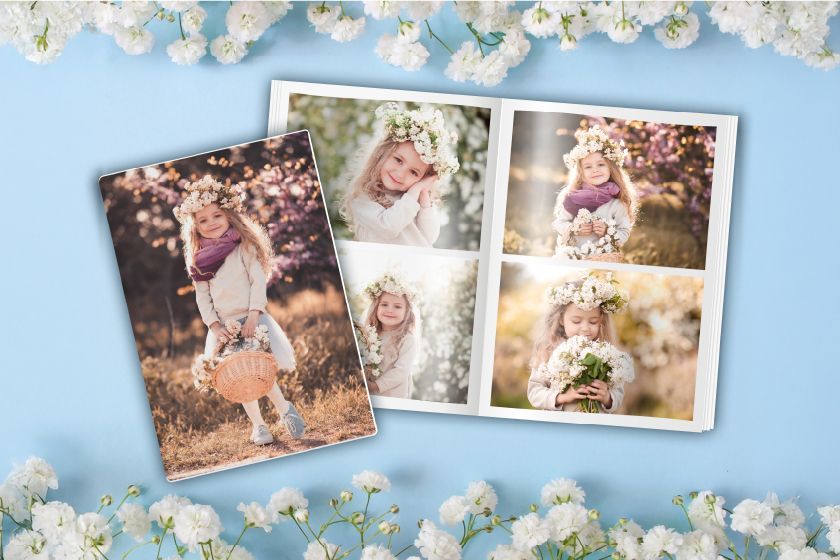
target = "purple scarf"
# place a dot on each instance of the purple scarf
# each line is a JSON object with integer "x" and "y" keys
{"x": 590, "y": 197}
{"x": 212, "y": 254}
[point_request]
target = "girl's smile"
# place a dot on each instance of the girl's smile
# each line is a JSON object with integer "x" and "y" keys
{"x": 576, "y": 322}
{"x": 403, "y": 168}
{"x": 391, "y": 311}
{"x": 595, "y": 169}
{"x": 211, "y": 221}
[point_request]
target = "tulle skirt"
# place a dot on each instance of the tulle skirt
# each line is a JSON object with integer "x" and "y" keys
{"x": 281, "y": 348}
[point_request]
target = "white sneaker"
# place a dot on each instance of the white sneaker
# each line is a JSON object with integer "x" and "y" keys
{"x": 261, "y": 436}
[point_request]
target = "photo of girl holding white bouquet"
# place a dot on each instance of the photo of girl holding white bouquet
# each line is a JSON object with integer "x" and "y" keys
{"x": 227, "y": 256}
{"x": 595, "y": 211}
{"x": 574, "y": 364}
{"x": 394, "y": 198}
{"x": 390, "y": 336}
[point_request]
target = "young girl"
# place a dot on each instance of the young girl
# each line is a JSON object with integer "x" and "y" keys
{"x": 583, "y": 308}
{"x": 227, "y": 256}
{"x": 391, "y": 313}
{"x": 393, "y": 198}
{"x": 595, "y": 211}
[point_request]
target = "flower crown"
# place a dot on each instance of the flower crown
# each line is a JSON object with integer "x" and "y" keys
{"x": 591, "y": 293}
{"x": 425, "y": 127}
{"x": 596, "y": 140}
{"x": 206, "y": 191}
{"x": 392, "y": 284}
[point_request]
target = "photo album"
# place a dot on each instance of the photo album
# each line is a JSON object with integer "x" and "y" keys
{"x": 236, "y": 300}
{"x": 521, "y": 259}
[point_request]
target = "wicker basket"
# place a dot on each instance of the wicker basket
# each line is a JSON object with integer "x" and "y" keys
{"x": 245, "y": 376}
{"x": 606, "y": 257}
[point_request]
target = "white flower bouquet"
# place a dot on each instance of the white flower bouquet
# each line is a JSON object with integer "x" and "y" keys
{"x": 560, "y": 526}
{"x": 579, "y": 361}
{"x": 605, "y": 245}
{"x": 204, "y": 366}
{"x": 370, "y": 346}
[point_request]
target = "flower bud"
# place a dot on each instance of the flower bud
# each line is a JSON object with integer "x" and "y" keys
{"x": 106, "y": 500}
{"x": 594, "y": 514}
{"x": 170, "y": 18}
{"x": 155, "y": 539}
{"x": 496, "y": 520}
{"x": 488, "y": 528}
{"x": 384, "y": 527}
{"x": 346, "y": 496}
{"x": 419, "y": 523}
{"x": 134, "y": 490}
{"x": 622, "y": 521}
{"x": 394, "y": 508}
{"x": 357, "y": 518}
{"x": 680, "y": 9}
{"x": 487, "y": 512}
{"x": 395, "y": 528}
{"x": 677, "y": 500}
{"x": 333, "y": 503}
{"x": 615, "y": 556}
{"x": 302, "y": 515}
{"x": 711, "y": 499}
{"x": 534, "y": 508}
{"x": 693, "y": 495}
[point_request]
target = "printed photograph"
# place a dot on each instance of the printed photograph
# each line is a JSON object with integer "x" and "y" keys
{"x": 596, "y": 342}
{"x": 585, "y": 187}
{"x": 399, "y": 173}
{"x": 414, "y": 321}
{"x": 235, "y": 297}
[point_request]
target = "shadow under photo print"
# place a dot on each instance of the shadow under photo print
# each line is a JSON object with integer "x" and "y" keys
{"x": 234, "y": 293}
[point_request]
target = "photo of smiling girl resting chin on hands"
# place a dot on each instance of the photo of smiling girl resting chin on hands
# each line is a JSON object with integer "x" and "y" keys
{"x": 393, "y": 199}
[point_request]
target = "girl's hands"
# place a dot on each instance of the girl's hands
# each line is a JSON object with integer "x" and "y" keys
{"x": 373, "y": 387}
{"x": 424, "y": 187}
{"x": 598, "y": 391}
{"x": 222, "y": 335}
{"x": 570, "y": 395}
{"x": 586, "y": 229}
{"x": 250, "y": 326}
{"x": 599, "y": 228}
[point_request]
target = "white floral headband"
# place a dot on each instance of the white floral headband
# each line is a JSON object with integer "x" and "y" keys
{"x": 426, "y": 129}
{"x": 589, "y": 294}
{"x": 392, "y": 284}
{"x": 596, "y": 140}
{"x": 206, "y": 191}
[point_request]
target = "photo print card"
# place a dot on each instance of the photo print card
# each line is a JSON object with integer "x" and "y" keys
{"x": 236, "y": 302}
{"x": 531, "y": 260}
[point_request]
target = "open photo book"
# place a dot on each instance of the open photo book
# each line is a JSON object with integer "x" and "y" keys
{"x": 522, "y": 259}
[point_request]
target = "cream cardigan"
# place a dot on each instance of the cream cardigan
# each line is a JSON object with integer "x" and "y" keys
{"x": 237, "y": 288}
{"x": 404, "y": 223}
{"x": 397, "y": 366}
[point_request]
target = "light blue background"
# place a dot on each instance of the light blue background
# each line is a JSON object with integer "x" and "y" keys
{"x": 71, "y": 388}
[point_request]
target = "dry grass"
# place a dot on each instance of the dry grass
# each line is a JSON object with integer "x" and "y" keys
{"x": 201, "y": 432}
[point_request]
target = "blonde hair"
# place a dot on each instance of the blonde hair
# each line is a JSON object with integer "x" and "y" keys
{"x": 618, "y": 175}
{"x": 254, "y": 238}
{"x": 367, "y": 181}
{"x": 405, "y": 328}
{"x": 551, "y": 333}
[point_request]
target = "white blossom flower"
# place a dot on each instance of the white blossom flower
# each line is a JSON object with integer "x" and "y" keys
{"x": 256, "y": 516}
{"x": 346, "y": 29}
{"x": 227, "y": 49}
{"x": 491, "y": 70}
{"x": 193, "y": 19}
{"x": 134, "y": 40}
{"x": 539, "y": 22}
{"x": 323, "y": 17}
{"x": 320, "y": 551}
{"x": 164, "y": 510}
{"x": 560, "y": 491}
{"x": 834, "y": 540}
{"x": 464, "y": 63}
{"x": 514, "y": 48}
{"x": 276, "y": 9}
{"x": 104, "y": 17}
{"x": 136, "y": 521}
{"x": 624, "y": 31}
{"x": 481, "y": 496}
{"x": 13, "y": 502}
{"x": 53, "y": 520}
{"x": 376, "y": 552}
{"x": 285, "y": 502}
{"x": 408, "y": 32}
{"x": 89, "y": 538}
{"x": 187, "y": 51}
{"x": 783, "y": 537}
{"x": 409, "y": 56}
{"x": 196, "y": 524}
{"x": 27, "y": 545}
{"x": 134, "y": 13}
{"x": 34, "y": 478}
{"x": 804, "y": 554}
{"x": 422, "y": 10}
{"x": 679, "y": 33}
{"x": 751, "y": 517}
{"x": 660, "y": 540}
{"x": 507, "y": 552}
{"x": 178, "y": 5}
{"x": 371, "y": 481}
{"x": 627, "y": 537}
{"x": 453, "y": 510}
{"x": 382, "y": 9}
{"x": 565, "y": 520}
{"x": 247, "y": 21}
{"x": 529, "y": 531}
{"x": 785, "y": 514}
{"x": 706, "y": 513}
{"x": 436, "y": 544}
{"x": 698, "y": 545}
